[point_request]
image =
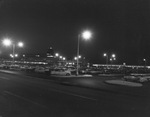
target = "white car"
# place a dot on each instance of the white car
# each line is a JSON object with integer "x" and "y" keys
{"x": 2, "y": 66}
{"x": 63, "y": 72}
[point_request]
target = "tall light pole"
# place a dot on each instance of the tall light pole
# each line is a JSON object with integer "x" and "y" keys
{"x": 85, "y": 35}
{"x": 105, "y": 55}
{"x": 145, "y": 64}
{"x": 13, "y": 53}
{"x": 144, "y": 61}
{"x": 77, "y": 72}
{"x": 8, "y": 42}
{"x": 56, "y": 54}
{"x": 113, "y": 58}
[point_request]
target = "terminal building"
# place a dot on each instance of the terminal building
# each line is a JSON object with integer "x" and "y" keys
{"x": 50, "y": 53}
{"x": 48, "y": 58}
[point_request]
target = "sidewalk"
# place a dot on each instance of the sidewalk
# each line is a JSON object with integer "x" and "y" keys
{"x": 122, "y": 82}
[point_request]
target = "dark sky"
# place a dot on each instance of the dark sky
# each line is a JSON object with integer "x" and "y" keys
{"x": 118, "y": 26}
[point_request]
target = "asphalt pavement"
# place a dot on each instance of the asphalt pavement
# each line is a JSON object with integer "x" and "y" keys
{"x": 27, "y": 96}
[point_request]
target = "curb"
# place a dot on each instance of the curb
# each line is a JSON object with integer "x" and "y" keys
{"x": 122, "y": 82}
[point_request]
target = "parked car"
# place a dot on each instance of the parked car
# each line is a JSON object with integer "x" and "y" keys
{"x": 131, "y": 78}
{"x": 137, "y": 78}
{"x": 2, "y": 66}
{"x": 143, "y": 79}
{"x": 41, "y": 69}
{"x": 30, "y": 69}
{"x": 83, "y": 71}
{"x": 63, "y": 72}
{"x": 72, "y": 70}
{"x": 94, "y": 71}
{"x": 14, "y": 67}
{"x": 23, "y": 67}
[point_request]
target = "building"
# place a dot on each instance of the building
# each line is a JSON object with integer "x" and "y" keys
{"x": 50, "y": 52}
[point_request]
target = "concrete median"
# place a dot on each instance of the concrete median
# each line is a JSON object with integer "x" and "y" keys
{"x": 125, "y": 83}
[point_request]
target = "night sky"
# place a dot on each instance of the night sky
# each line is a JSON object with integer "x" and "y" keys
{"x": 118, "y": 26}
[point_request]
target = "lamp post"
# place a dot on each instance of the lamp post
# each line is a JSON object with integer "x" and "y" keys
{"x": 75, "y": 58}
{"x": 113, "y": 55}
{"x": 105, "y": 55}
{"x": 145, "y": 64}
{"x": 13, "y": 53}
{"x": 60, "y": 57}
{"x": 64, "y": 58}
{"x": 8, "y": 42}
{"x": 113, "y": 58}
{"x": 144, "y": 61}
{"x": 56, "y": 54}
{"x": 85, "y": 35}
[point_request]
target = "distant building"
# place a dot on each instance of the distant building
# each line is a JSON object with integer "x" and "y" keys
{"x": 50, "y": 52}
{"x": 50, "y": 59}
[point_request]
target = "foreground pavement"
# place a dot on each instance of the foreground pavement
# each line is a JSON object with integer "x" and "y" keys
{"x": 26, "y": 96}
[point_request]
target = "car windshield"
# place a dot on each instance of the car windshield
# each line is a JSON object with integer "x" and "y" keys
{"x": 74, "y": 58}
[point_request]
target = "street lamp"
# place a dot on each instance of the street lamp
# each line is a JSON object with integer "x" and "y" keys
{"x": 56, "y": 54}
{"x": 75, "y": 58}
{"x": 64, "y": 58}
{"x": 113, "y": 58}
{"x": 85, "y": 35}
{"x": 105, "y": 55}
{"x": 113, "y": 55}
{"x": 60, "y": 57}
{"x": 20, "y": 44}
{"x": 8, "y": 42}
{"x": 11, "y": 55}
{"x": 24, "y": 55}
{"x": 79, "y": 56}
{"x": 144, "y": 62}
{"x": 16, "y": 55}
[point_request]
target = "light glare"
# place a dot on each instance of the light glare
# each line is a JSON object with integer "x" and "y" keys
{"x": 60, "y": 57}
{"x": 105, "y": 54}
{"x": 64, "y": 58}
{"x": 57, "y": 54}
{"x": 86, "y": 35}
{"x": 7, "y": 42}
{"x": 75, "y": 58}
{"x": 20, "y": 44}
{"x": 16, "y": 55}
{"x": 79, "y": 56}
{"x": 113, "y": 55}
